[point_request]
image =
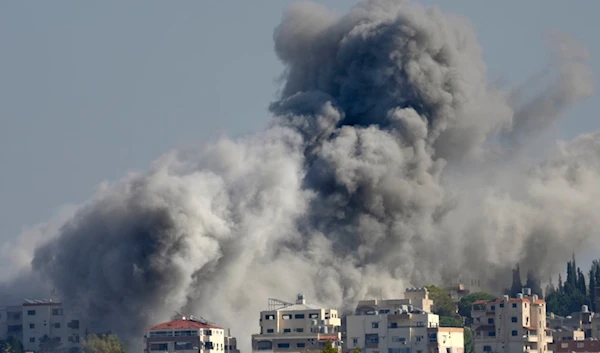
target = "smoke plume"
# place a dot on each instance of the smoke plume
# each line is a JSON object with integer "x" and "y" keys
{"x": 389, "y": 162}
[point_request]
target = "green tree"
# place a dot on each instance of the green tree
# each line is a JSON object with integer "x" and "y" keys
{"x": 517, "y": 286}
{"x": 49, "y": 345}
{"x": 11, "y": 345}
{"x": 451, "y": 321}
{"x": 108, "y": 343}
{"x": 357, "y": 350}
{"x": 329, "y": 348}
{"x": 468, "y": 337}
{"x": 466, "y": 302}
{"x": 443, "y": 305}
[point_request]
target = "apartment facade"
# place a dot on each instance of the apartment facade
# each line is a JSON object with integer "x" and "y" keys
{"x": 297, "y": 327}
{"x": 11, "y": 322}
{"x": 508, "y": 325}
{"x": 188, "y": 335}
{"x": 400, "y": 326}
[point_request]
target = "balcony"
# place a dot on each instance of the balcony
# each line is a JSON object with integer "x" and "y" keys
{"x": 530, "y": 338}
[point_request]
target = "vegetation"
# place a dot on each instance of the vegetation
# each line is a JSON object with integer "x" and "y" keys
{"x": 49, "y": 345}
{"x": 465, "y": 303}
{"x": 11, "y": 345}
{"x": 110, "y": 343}
{"x": 468, "y": 336}
{"x": 568, "y": 297}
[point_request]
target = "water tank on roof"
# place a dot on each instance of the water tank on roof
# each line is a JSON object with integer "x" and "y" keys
{"x": 520, "y": 295}
{"x": 584, "y": 309}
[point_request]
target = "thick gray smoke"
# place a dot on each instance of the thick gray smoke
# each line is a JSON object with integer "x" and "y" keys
{"x": 389, "y": 162}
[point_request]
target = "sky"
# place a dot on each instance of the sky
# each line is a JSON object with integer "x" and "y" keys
{"x": 92, "y": 90}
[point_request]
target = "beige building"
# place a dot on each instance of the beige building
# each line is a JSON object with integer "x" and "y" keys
{"x": 296, "y": 327}
{"x": 509, "y": 325}
{"x": 401, "y": 326}
{"x": 188, "y": 335}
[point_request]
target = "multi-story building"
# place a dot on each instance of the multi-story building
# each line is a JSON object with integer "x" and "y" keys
{"x": 578, "y": 320}
{"x": 188, "y": 335}
{"x": 583, "y": 346}
{"x": 400, "y": 326}
{"x": 47, "y": 319}
{"x": 35, "y": 320}
{"x": 508, "y": 325}
{"x": 11, "y": 323}
{"x": 297, "y": 327}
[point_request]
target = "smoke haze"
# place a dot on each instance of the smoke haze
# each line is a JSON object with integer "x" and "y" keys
{"x": 390, "y": 161}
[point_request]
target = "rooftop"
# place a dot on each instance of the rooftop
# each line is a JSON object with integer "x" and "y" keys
{"x": 181, "y": 324}
{"x": 34, "y": 302}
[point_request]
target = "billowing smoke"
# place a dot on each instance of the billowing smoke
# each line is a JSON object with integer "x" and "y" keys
{"x": 390, "y": 161}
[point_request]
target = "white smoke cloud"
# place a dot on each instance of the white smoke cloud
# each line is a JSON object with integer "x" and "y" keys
{"x": 389, "y": 162}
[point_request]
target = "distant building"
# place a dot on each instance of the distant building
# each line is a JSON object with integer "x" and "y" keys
{"x": 565, "y": 334}
{"x": 188, "y": 335}
{"x": 401, "y": 326}
{"x": 587, "y": 346}
{"x": 583, "y": 320}
{"x": 35, "y": 319}
{"x": 509, "y": 325}
{"x": 296, "y": 327}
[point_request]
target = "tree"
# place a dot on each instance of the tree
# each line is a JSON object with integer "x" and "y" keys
{"x": 356, "y": 350}
{"x": 468, "y": 337}
{"x": 11, "y": 345}
{"x": 49, "y": 345}
{"x": 443, "y": 305}
{"x": 517, "y": 286}
{"x": 108, "y": 343}
{"x": 329, "y": 348}
{"x": 534, "y": 283}
{"x": 451, "y": 321}
{"x": 466, "y": 302}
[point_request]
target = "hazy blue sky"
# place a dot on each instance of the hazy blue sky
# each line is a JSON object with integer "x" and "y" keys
{"x": 90, "y": 90}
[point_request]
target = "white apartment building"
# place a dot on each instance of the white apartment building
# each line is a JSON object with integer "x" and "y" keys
{"x": 48, "y": 318}
{"x": 296, "y": 327}
{"x": 508, "y": 325}
{"x": 188, "y": 335}
{"x": 401, "y": 326}
{"x": 11, "y": 323}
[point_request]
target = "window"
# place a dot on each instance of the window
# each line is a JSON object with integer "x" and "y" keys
{"x": 180, "y": 346}
{"x": 299, "y": 330}
{"x": 57, "y": 325}
{"x": 502, "y": 305}
{"x": 57, "y": 312}
{"x": 283, "y": 345}
{"x": 419, "y": 338}
{"x": 287, "y": 330}
{"x": 300, "y": 345}
{"x": 564, "y": 345}
{"x": 490, "y": 320}
{"x": 394, "y": 325}
{"x": 30, "y": 312}
{"x": 299, "y": 316}
{"x": 384, "y": 311}
{"x": 32, "y": 339}
{"x": 514, "y": 332}
{"x": 286, "y": 317}
{"x": 74, "y": 324}
{"x": 580, "y": 345}
{"x": 269, "y": 330}
{"x": 31, "y": 325}
{"x": 487, "y": 348}
{"x": 514, "y": 305}
{"x": 371, "y": 338}
{"x": 398, "y": 339}
{"x": 492, "y": 334}
{"x": 419, "y": 323}
{"x": 493, "y": 307}
{"x": 375, "y": 325}
{"x": 209, "y": 345}
{"x": 313, "y": 316}
{"x": 514, "y": 319}
{"x": 269, "y": 317}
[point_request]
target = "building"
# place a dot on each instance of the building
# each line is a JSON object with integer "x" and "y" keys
{"x": 188, "y": 335}
{"x": 37, "y": 319}
{"x": 565, "y": 334}
{"x": 11, "y": 323}
{"x": 508, "y": 325}
{"x": 401, "y": 326}
{"x": 587, "y": 346}
{"x": 584, "y": 320}
{"x": 296, "y": 327}
{"x": 48, "y": 318}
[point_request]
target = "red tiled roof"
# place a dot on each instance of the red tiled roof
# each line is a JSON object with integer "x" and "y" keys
{"x": 180, "y": 325}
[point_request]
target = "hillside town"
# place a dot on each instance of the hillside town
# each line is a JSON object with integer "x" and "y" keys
{"x": 425, "y": 320}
